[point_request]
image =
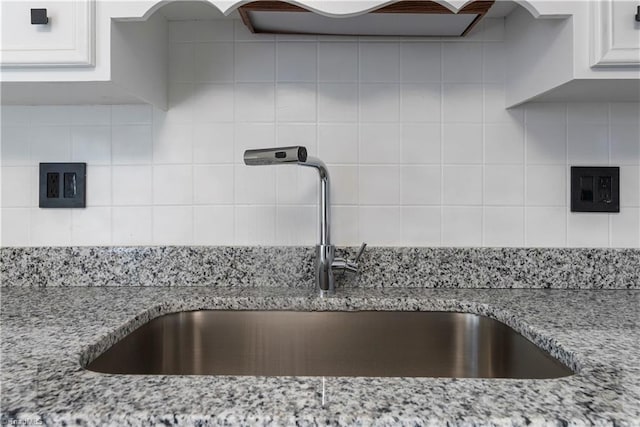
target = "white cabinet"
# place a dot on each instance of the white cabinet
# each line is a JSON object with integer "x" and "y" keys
{"x": 615, "y": 33}
{"x": 68, "y": 39}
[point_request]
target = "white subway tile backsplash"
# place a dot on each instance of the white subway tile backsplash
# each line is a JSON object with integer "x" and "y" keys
{"x": 379, "y": 102}
{"x": 630, "y": 186}
{"x": 420, "y": 225}
{"x": 131, "y": 225}
{"x": 587, "y": 230}
{"x": 595, "y": 113}
{"x": 182, "y": 62}
{"x": 299, "y": 134}
{"x": 461, "y": 62}
{"x": 379, "y": 185}
{"x": 213, "y": 225}
{"x": 212, "y": 62}
{"x": 547, "y": 185}
{"x": 15, "y": 115}
{"x": 420, "y": 148}
{"x": 14, "y": 144}
{"x": 588, "y": 144}
{"x": 625, "y": 144}
{"x": 337, "y": 102}
{"x": 296, "y": 225}
{"x": 50, "y": 227}
{"x": 546, "y": 226}
{"x": 172, "y": 143}
{"x": 213, "y": 143}
{"x": 173, "y": 225}
{"x": 371, "y": 218}
{"x": 254, "y": 102}
{"x": 131, "y": 114}
{"x": 344, "y": 185}
{"x": 181, "y": 106}
{"x": 255, "y": 62}
{"x": 91, "y": 145}
{"x": 503, "y": 185}
{"x": 420, "y": 62}
{"x": 90, "y": 115}
{"x": 625, "y": 228}
{"x": 50, "y": 144}
{"x": 299, "y": 186}
{"x": 15, "y": 226}
{"x": 208, "y": 31}
{"x": 493, "y": 63}
{"x": 131, "y": 185}
{"x": 99, "y": 184}
{"x": 379, "y": 62}
{"x": 91, "y": 227}
{"x": 212, "y": 184}
{"x": 17, "y": 186}
{"x": 338, "y": 143}
{"x": 131, "y": 144}
{"x": 254, "y": 185}
{"x": 344, "y": 225}
{"x": 462, "y": 185}
{"x": 420, "y": 185}
{"x": 375, "y": 146}
{"x": 296, "y": 102}
{"x": 173, "y": 184}
{"x": 504, "y": 143}
{"x": 420, "y": 102}
{"x": 545, "y": 113}
{"x": 338, "y": 62}
{"x": 297, "y": 62}
{"x": 461, "y": 226}
{"x": 503, "y": 226}
{"x": 255, "y": 225}
{"x": 462, "y": 143}
{"x": 46, "y": 115}
{"x": 420, "y": 143}
{"x": 462, "y": 103}
{"x": 624, "y": 113}
{"x": 546, "y": 143}
{"x": 214, "y": 102}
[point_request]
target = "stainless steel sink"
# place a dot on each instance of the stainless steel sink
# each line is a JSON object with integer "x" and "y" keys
{"x": 365, "y": 343}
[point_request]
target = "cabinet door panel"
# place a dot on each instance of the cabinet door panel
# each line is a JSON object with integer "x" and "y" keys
{"x": 615, "y": 34}
{"x": 67, "y": 40}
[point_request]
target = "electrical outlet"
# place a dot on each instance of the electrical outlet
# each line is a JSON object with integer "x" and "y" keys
{"x": 595, "y": 189}
{"x": 63, "y": 185}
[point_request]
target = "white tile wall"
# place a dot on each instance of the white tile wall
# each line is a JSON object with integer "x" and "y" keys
{"x": 419, "y": 145}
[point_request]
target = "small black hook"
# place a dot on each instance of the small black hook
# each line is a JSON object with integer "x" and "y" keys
{"x": 39, "y": 17}
{"x": 638, "y": 15}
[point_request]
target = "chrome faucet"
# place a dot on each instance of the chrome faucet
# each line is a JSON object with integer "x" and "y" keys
{"x": 326, "y": 264}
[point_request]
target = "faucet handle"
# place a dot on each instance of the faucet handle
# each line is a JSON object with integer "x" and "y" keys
{"x": 363, "y": 246}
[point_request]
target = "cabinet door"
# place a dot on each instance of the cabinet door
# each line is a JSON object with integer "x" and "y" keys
{"x": 66, "y": 40}
{"x": 615, "y": 33}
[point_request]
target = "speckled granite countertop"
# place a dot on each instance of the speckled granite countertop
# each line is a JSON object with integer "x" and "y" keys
{"x": 48, "y": 333}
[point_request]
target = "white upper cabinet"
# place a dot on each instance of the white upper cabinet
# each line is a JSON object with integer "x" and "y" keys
{"x": 63, "y": 37}
{"x": 116, "y": 51}
{"x": 615, "y": 30}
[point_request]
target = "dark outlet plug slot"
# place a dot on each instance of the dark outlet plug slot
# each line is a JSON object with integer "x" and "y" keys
{"x": 70, "y": 185}
{"x": 586, "y": 188}
{"x": 53, "y": 185}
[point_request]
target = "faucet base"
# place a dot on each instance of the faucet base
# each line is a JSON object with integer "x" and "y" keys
{"x": 324, "y": 271}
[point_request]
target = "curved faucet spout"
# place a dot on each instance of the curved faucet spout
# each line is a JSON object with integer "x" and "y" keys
{"x": 324, "y": 199}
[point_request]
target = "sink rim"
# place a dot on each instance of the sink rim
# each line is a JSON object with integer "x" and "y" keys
{"x": 540, "y": 340}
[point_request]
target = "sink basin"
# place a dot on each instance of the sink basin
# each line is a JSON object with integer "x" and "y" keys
{"x": 362, "y": 343}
